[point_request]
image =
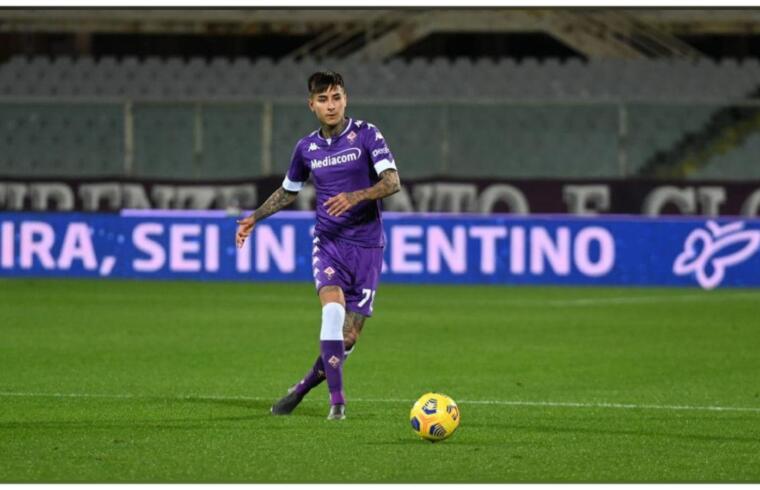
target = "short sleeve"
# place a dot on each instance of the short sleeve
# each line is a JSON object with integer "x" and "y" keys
{"x": 298, "y": 173}
{"x": 379, "y": 153}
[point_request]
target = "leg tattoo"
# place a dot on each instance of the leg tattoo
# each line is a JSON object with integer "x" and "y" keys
{"x": 352, "y": 328}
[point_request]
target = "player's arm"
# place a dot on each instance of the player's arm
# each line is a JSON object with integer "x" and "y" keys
{"x": 389, "y": 184}
{"x": 278, "y": 200}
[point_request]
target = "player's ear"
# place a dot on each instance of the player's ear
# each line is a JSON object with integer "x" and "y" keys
{"x": 311, "y": 103}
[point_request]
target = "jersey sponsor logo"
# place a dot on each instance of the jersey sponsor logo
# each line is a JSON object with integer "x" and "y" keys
{"x": 313, "y": 147}
{"x": 345, "y": 156}
{"x": 708, "y": 252}
{"x": 380, "y": 151}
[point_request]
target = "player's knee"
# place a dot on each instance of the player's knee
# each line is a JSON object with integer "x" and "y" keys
{"x": 331, "y": 294}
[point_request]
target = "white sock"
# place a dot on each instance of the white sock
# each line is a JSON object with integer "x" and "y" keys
{"x": 333, "y": 316}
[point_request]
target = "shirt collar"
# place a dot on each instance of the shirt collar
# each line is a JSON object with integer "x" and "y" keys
{"x": 318, "y": 132}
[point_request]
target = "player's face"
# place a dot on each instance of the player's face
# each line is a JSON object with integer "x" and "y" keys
{"x": 329, "y": 106}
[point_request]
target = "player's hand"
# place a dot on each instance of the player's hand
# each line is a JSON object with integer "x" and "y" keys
{"x": 245, "y": 227}
{"x": 341, "y": 203}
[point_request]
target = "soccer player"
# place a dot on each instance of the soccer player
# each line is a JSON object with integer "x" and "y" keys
{"x": 352, "y": 168}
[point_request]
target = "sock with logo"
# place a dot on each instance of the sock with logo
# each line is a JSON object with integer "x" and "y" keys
{"x": 312, "y": 379}
{"x": 331, "y": 349}
{"x": 316, "y": 374}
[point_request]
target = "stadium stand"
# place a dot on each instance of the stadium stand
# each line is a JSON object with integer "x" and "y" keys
{"x": 740, "y": 162}
{"x": 203, "y": 118}
{"x": 548, "y": 79}
{"x": 41, "y": 139}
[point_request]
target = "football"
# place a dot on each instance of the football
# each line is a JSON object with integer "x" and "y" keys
{"x": 434, "y": 417}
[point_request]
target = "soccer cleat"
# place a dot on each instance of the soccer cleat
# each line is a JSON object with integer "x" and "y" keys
{"x": 286, "y": 404}
{"x": 337, "y": 412}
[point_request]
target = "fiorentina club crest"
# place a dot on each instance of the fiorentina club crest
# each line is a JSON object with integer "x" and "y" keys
{"x": 334, "y": 361}
{"x": 351, "y": 136}
{"x": 708, "y": 253}
{"x": 329, "y": 271}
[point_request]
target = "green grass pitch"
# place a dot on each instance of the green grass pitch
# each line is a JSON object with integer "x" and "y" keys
{"x": 116, "y": 381}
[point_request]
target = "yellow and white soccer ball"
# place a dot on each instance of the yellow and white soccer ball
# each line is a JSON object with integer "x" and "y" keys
{"x": 434, "y": 417}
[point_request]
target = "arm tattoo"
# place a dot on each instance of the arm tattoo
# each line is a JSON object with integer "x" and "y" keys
{"x": 389, "y": 184}
{"x": 278, "y": 200}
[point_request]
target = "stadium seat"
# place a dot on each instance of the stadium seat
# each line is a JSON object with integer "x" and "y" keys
{"x": 503, "y": 141}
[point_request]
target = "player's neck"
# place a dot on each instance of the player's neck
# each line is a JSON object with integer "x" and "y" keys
{"x": 333, "y": 131}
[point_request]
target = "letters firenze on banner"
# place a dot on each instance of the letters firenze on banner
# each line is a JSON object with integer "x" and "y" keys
{"x": 583, "y": 198}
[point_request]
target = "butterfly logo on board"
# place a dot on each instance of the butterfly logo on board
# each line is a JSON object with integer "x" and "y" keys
{"x": 707, "y": 253}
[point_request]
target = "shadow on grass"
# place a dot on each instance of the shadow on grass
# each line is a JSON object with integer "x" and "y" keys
{"x": 303, "y": 410}
{"x": 411, "y": 440}
{"x": 259, "y": 411}
{"x": 176, "y": 424}
{"x": 257, "y": 405}
{"x": 617, "y": 432}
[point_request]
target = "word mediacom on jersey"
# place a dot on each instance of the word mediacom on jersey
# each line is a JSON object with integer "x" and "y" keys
{"x": 420, "y": 248}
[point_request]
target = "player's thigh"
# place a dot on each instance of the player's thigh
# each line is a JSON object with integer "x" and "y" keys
{"x": 367, "y": 265}
{"x": 331, "y": 276}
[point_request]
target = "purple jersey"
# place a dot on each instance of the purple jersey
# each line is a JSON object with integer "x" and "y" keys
{"x": 348, "y": 162}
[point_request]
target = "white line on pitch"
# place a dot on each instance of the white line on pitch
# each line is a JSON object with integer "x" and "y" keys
{"x": 630, "y": 406}
{"x": 613, "y": 300}
{"x": 644, "y": 299}
{"x": 557, "y": 302}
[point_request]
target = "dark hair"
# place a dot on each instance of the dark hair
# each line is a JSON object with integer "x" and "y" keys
{"x": 323, "y": 80}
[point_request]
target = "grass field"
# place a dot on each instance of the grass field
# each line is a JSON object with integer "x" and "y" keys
{"x": 114, "y": 381}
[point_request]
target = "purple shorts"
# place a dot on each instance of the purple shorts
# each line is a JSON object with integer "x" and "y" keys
{"x": 355, "y": 269}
